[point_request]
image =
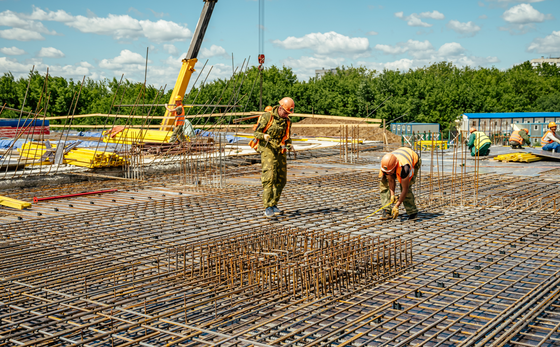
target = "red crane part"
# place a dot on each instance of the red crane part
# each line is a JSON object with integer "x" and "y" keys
{"x": 36, "y": 199}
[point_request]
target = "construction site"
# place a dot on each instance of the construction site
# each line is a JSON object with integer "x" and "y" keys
{"x": 118, "y": 234}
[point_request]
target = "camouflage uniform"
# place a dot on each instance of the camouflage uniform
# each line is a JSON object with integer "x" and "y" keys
{"x": 274, "y": 163}
{"x": 179, "y": 130}
{"x": 409, "y": 203}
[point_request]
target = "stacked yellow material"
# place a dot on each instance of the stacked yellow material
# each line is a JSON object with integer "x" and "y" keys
{"x": 9, "y": 202}
{"x": 427, "y": 145}
{"x": 520, "y": 157}
{"x": 129, "y": 136}
{"x": 78, "y": 156}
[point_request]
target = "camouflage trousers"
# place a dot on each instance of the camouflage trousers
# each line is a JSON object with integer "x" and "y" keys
{"x": 179, "y": 131}
{"x": 409, "y": 203}
{"x": 274, "y": 175}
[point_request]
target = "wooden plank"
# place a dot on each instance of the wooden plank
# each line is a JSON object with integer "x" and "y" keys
{"x": 231, "y": 114}
{"x": 214, "y": 126}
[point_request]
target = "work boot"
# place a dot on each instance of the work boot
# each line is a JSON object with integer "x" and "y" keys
{"x": 269, "y": 212}
{"x": 413, "y": 216}
{"x": 277, "y": 211}
{"x": 386, "y": 215}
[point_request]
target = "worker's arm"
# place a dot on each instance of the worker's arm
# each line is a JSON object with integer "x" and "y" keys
{"x": 471, "y": 141}
{"x": 289, "y": 140}
{"x": 172, "y": 108}
{"x": 405, "y": 185}
{"x": 525, "y": 137}
{"x": 391, "y": 181}
{"x": 553, "y": 137}
{"x": 258, "y": 134}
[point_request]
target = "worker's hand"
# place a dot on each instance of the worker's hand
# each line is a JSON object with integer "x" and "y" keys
{"x": 289, "y": 147}
{"x": 266, "y": 137}
{"x": 395, "y": 211}
{"x": 393, "y": 198}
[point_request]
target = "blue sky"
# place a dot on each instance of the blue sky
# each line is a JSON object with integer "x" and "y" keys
{"x": 103, "y": 39}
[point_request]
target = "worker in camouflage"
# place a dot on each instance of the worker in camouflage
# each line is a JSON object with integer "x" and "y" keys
{"x": 272, "y": 140}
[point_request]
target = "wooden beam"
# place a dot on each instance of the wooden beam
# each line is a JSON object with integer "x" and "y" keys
{"x": 231, "y": 114}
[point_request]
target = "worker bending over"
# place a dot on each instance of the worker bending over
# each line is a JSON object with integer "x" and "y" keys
{"x": 404, "y": 165}
{"x": 272, "y": 140}
{"x": 479, "y": 143}
{"x": 550, "y": 142}
{"x": 518, "y": 138}
{"x": 180, "y": 127}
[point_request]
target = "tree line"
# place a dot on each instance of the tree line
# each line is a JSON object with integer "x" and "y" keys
{"x": 438, "y": 93}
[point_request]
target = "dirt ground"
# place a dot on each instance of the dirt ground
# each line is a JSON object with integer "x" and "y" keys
{"x": 372, "y": 134}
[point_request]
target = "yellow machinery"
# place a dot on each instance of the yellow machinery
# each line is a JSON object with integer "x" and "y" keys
{"x": 188, "y": 63}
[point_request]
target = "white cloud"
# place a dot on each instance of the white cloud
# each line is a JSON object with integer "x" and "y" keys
{"x": 305, "y": 66}
{"x": 505, "y": 3}
{"x": 214, "y": 50}
{"x": 20, "y": 34}
{"x": 414, "y": 20}
{"x": 522, "y": 18}
{"x": 371, "y": 33}
{"x": 451, "y": 49}
{"x": 127, "y": 60}
{"x": 76, "y": 71}
{"x": 433, "y": 15}
{"x": 468, "y": 28}
{"x": 16, "y": 20}
{"x": 119, "y": 27}
{"x": 524, "y": 14}
{"x": 326, "y": 43}
{"x": 423, "y": 53}
{"x": 170, "y": 49}
{"x": 50, "y": 52}
{"x": 12, "y": 51}
{"x": 548, "y": 45}
{"x": 415, "y": 48}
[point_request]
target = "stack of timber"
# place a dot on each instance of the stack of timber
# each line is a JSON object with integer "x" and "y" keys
{"x": 519, "y": 157}
{"x": 9, "y": 202}
{"x": 130, "y": 136}
{"x": 88, "y": 158}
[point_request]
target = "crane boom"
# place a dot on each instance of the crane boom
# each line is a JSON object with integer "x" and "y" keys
{"x": 189, "y": 62}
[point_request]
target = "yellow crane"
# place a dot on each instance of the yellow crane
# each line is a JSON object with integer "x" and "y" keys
{"x": 189, "y": 62}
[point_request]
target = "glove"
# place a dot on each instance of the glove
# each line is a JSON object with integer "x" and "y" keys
{"x": 393, "y": 199}
{"x": 395, "y": 211}
{"x": 289, "y": 147}
{"x": 266, "y": 137}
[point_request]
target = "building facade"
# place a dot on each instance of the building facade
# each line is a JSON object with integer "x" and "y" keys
{"x": 543, "y": 60}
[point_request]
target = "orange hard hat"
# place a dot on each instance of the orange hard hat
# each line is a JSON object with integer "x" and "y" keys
{"x": 552, "y": 125}
{"x": 526, "y": 130}
{"x": 287, "y": 104}
{"x": 473, "y": 129}
{"x": 178, "y": 98}
{"x": 268, "y": 109}
{"x": 389, "y": 162}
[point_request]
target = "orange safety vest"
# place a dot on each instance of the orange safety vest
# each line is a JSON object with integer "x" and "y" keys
{"x": 180, "y": 118}
{"x": 515, "y": 137}
{"x": 405, "y": 156}
{"x": 543, "y": 142}
{"x": 254, "y": 143}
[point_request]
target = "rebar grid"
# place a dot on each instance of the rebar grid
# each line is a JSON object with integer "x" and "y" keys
{"x": 483, "y": 274}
